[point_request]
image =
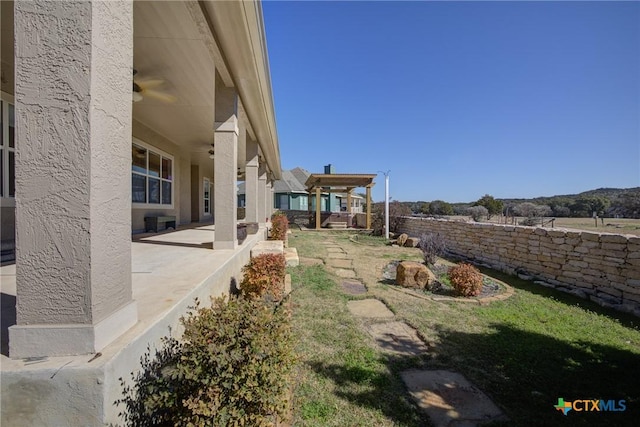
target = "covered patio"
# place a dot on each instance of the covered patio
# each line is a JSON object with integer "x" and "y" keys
{"x": 169, "y": 272}
{"x": 337, "y": 183}
{"x": 124, "y": 112}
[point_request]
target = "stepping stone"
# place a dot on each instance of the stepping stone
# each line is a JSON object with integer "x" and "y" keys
{"x": 336, "y": 255}
{"x": 369, "y": 308}
{"x": 345, "y": 274}
{"x": 353, "y": 287}
{"x": 449, "y": 399}
{"x": 335, "y": 250}
{"x": 341, "y": 263}
{"x": 397, "y": 337}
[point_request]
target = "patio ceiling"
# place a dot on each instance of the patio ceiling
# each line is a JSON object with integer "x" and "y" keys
{"x": 178, "y": 42}
{"x": 169, "y": 46}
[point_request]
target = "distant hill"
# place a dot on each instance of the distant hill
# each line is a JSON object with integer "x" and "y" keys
{"x": 612, "y": 202}
{"x": 607, "y": 193}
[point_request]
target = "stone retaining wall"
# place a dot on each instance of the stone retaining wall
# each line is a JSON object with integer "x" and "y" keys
{"x": 300, "y": 218}
{"x": 601, "y": 267}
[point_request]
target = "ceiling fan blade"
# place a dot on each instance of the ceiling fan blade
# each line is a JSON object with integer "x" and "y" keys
{"x": 160, "y": 96}
{"x": 149, "y": 83}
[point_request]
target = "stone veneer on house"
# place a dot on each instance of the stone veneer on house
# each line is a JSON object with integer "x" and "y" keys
{"x": 602, "y": 267}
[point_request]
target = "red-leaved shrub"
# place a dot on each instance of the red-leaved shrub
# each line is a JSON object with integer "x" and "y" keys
{"x": 279, "y": 226}
{"x": 466, "y": 280}
{"x": 264, "y": 276}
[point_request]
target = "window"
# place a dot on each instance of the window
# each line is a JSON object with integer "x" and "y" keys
{"x": 207, "y": 196}
{"x": 7, "y": 149}
{"x": 283, "y": 202}
{"x": 304, "y": 205}
{"x": 151, "y": 177}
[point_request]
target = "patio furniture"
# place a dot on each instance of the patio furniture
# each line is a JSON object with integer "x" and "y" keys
{"x": 151, "y": 222}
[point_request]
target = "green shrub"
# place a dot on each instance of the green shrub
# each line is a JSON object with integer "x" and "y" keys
{"x": 279, "y": 226}
{"x": 232, "y": 367}
{"x": 264, "y": 276}
{"x": 531, "y": 221}
{"x": 465, "y": 279}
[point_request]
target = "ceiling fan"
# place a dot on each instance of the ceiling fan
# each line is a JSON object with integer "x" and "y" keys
{"x": 147, "y": 88}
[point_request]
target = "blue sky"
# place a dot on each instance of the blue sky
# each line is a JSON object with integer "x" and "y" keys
{"x": 460, "y": 99}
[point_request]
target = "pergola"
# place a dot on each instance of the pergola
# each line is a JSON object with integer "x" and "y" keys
{"x": 339, "y": 183}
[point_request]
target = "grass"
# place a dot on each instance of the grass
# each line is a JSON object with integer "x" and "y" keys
{"x": 342, "y": 379}
{"x": 524, "y": 352}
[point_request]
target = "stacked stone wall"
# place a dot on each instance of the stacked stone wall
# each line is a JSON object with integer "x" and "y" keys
{"x": 300, "y": 218}
{"x": 602, "y": 267}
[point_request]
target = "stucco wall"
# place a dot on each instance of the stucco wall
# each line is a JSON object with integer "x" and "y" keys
{"x": 599, "y": 266}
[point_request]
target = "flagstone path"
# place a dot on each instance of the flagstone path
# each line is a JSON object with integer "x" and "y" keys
{"x": 447, "y": 397}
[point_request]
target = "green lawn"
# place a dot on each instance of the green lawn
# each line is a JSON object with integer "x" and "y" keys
{"x": 524, "y": 352}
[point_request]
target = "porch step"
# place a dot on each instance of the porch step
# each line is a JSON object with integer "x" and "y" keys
{"x": 337, "y": 225}
{"x": 291, "y": 256}
{"x": 268, "y": 247}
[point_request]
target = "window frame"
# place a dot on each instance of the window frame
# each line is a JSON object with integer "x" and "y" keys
{"x": 162, "y": 154}
{"x": 5, "y": 199}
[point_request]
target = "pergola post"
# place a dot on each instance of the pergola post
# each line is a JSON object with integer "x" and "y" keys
{"x": 349, "y": 190}
{"x": 318, "y": 216}
{"x": 368, "y": 207}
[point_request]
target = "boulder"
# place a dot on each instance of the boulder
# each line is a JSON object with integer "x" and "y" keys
{"x": 412, "y": 242}
{"x": 402, "y": 239}
{"x": 412, "y": 274}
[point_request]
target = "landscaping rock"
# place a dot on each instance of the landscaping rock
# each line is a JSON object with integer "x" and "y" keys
{"x": 414, "y": 275}
{"x": 402, "y": 239}
{"x": 412, "y": 242}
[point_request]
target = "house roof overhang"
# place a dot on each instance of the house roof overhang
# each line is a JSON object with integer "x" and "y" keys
{"x": 339, "y": 182}
{"x": 238, "y": 26}
{"x": 185, "y": 44}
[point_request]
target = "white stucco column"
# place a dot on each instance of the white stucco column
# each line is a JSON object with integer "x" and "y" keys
{"x": 73, "y": 176}
{"x": 262, "y": 195}
{"x": 251, "y": 182}
{"x": 225, "y": 168}
{"x": 269, "y": 199}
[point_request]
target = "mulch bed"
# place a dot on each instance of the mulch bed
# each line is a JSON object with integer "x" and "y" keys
{"x": 490, "y": 287}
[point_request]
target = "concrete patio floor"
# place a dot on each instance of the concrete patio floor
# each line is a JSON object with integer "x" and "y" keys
{"x": 169, "y": 271}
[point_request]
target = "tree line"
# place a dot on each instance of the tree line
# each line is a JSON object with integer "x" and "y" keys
{"x": 604, "y": 202}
